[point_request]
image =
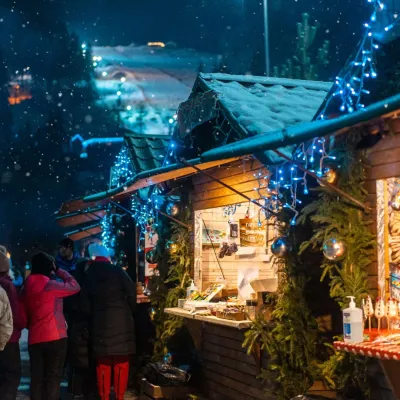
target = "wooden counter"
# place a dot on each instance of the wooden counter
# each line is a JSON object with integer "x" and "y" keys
{"x": 180, "y": 312}
{"x": 388, "y": 356}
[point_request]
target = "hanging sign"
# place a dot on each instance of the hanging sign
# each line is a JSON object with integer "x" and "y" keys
{"x": 252, "y": 234}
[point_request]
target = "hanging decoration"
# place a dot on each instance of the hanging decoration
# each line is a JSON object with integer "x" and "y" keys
{"x": 351, "y": 86}
{"x": 329, "y": 175}
{"x": 171, "y": 247}
{"x": 333, "y": 249}
{"x": 280, "y": 186}
{"x": 281, "y": 247}
{"x": 142, "y": 214}
{"x": 122, "y": 170}
{"x": 151, "y": 257}
{"x": 108, "y": 235}
{"x": 395, "y": 202}
{"x": 173, "y": 209}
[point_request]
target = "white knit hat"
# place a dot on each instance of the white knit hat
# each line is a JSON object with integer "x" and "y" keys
{"x": 98, "y": 250}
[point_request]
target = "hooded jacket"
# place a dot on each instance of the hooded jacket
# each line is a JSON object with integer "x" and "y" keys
{"x": 43, "y": 302}
{"x": 6, "y": 320}
{"x": 19, "y": 317}
{"x": 109, "y": 297}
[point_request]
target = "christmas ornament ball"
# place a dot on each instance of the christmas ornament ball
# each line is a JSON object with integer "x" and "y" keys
{"x": 281, "y": 247}
{"x": 173, "y": 209}
{"x": 171, "y": 246}
{"x": 329, "y": 175}
{"x": 151, "y": 256}
{"x": 333, "y": 248}
{"x": 395, "y": 202}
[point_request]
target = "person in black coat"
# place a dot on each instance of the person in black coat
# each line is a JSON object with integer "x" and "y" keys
{"x": 81, "y": 379}
{"x": 109, "y": 296}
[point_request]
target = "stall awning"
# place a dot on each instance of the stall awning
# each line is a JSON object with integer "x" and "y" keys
{"x": 156, "y": 176}
{"x": 80, "y": 217}
{"x": 303, "y": 132}
{"x": 85, "y": 232}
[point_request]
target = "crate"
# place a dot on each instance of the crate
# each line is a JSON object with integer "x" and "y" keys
{"x": 150, "y": 391}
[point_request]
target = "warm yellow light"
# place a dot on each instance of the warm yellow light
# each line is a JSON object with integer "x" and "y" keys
{"x": 158, "y": 44}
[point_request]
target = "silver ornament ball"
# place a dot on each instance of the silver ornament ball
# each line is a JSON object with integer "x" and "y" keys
{"x": 333, "y": 249}
{"x": 151, "y": 256}
{"x": 173, "y": 209}
{"x": 281, "y": 247}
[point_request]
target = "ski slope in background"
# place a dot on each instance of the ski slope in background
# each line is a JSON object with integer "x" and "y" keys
{"x": 146, "y": 84}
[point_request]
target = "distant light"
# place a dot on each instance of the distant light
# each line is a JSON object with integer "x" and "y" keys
{"x": 156, "y": 44}
{"x": 123, "y": 79}
{"x": 84, "y": 155}
{"x": 94, "y": 58}
{"x": 83, "y": 45}
{"x": 99, "y": 58}
{"x": 104, "y": 73}
{"x": 95, "y": 64}
{"x": 175, "y": 117}
{"x": 119, "y": 93}
{"x": 83, "y": 51}
{"x": 129, "y": 108}
{"x": 171, "y": 120}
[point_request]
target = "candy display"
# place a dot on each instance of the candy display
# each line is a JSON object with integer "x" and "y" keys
{"x": 380, "y": 311}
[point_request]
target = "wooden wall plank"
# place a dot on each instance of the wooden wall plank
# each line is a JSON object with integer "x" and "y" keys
{"x": 224, "y": 342}
{"x": 387, "y": 143}
{"x": 233, "y": 374}
{"x": 228, "y": 362}
{"x": 237, "y": 386}
{"x": 384, "y": 171}
{"x": 224, "y": 331}
{"x": 230, "y": 180}
{"x": 388, "y": 156}
{"x": 233, "y": 354}
{"x": 216, "y": 391}
{"x": 224, "y": 171}
{"x": 224, "y": 201}
{"x": 223, "y": 192}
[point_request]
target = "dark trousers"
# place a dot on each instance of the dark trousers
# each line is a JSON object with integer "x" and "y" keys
{"x": 47, "y": 363}
{"x": 10, "y": 371}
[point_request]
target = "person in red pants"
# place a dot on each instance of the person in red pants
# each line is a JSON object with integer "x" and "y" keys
{"x": 109, "y": 297}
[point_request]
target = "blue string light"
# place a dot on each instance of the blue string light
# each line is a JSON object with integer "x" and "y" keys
{"x": 279, "y": 187}
{"x": 122, "y": 170}
{"x": 350, "y": 86}
{"x": 107, "y": 235}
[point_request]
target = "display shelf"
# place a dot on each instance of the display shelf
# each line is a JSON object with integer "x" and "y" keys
{"x": 210, "y": 319}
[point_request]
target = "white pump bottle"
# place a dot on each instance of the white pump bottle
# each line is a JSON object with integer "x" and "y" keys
{"x": 353, "y": 323}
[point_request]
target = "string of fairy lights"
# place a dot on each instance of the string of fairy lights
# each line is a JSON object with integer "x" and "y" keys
{"x": 351, "y": 84}
{"x": 279, "y": 187}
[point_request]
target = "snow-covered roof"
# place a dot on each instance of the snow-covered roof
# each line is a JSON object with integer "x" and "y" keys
{"x": 261, "y": 104}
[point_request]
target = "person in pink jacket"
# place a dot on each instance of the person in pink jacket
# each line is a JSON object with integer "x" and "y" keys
{"x": 10, "y": 359}
{"x": 43, "y": 302}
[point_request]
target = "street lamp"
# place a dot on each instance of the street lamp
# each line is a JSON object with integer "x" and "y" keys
{"x": 266, "y": 36}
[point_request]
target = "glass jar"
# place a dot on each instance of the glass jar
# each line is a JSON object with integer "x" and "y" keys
{"x": 251, "y": 309}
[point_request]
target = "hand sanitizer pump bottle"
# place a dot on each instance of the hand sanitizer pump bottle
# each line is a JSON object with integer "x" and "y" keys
{"x": 353, "y": 323}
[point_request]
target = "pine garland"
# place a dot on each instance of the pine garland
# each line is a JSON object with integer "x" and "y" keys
{"x": 334, "y": 217}
{"x": 171, "y": 282}
{"x": 291, "y": 338}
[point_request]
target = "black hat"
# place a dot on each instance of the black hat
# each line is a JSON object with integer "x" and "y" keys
{"x": 42, "y": 263}
{"x": 67, "y": 242}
